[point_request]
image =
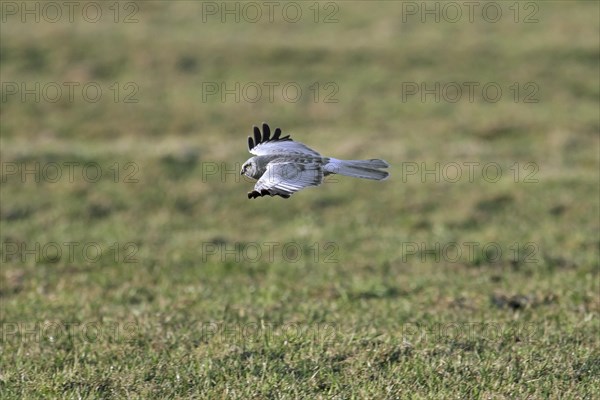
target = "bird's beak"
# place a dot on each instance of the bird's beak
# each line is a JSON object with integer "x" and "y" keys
{"x": 242, "y": 172}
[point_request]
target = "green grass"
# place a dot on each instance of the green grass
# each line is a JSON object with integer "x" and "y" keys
{"x": 361, "y": 304}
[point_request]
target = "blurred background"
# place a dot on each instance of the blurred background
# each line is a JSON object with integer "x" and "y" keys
{"x": 123, "y": 128}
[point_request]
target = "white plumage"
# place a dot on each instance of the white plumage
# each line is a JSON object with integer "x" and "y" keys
{"x": 283, "y": 166}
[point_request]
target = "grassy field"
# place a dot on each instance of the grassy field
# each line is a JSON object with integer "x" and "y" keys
{"x": 134, "y": 266}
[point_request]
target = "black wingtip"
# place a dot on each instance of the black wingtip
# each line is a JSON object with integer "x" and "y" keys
{"x": 265, "y": 192}
{"x": 265, "y": 136}
{"x": 257, "y": 138}
{"x": 266, "y": 131}
{"x": 255, "y": 193}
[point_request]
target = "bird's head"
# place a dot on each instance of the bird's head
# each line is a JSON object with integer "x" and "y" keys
{"x": 249, "y": 168}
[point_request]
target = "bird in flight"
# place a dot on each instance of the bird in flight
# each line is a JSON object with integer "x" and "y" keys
{"x": 282, "y": 166}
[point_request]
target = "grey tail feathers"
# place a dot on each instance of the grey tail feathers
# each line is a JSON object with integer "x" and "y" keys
{"x": 367, "y": 169}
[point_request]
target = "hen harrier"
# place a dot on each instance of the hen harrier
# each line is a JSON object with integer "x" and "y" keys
{"x": 283, "y": 167}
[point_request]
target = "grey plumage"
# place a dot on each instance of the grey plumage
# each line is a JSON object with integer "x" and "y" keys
{"x": 283, "y": 166}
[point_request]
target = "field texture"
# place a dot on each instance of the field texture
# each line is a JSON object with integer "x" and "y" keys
{"x": 134, "y": 266}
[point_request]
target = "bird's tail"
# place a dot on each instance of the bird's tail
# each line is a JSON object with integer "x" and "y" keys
{"x": 367, "y": 169}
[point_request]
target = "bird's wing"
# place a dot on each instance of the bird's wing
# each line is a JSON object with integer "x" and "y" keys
{"x": 283, "y": 178}
{"x": 263, "y": 144}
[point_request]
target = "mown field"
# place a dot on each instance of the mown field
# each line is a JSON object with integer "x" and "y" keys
{"x": 134, "y": 266}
